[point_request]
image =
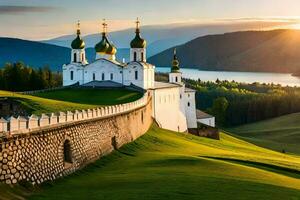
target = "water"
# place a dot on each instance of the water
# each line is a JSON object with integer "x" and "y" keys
{"x": 245, "y": 77}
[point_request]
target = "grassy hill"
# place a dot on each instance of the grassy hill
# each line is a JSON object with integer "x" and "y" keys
{"x": 282, "y": 133}
{"x": 71, "y": 99}
{"x": 257, "y": 51}
{"x": 168, "y": 165}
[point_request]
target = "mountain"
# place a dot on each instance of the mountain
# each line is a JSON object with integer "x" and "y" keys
{"x": 254, "y": 51}
{"x": 34, "y": 54}
{"x": 161, "y": 37}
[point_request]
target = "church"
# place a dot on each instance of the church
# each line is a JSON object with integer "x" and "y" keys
{"x": 174, "y": 106}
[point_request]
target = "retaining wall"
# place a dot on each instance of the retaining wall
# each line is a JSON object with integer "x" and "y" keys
{"x": 38, "y": 149}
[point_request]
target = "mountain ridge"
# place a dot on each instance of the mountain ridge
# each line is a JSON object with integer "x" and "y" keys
{"x": 253, "y": 51}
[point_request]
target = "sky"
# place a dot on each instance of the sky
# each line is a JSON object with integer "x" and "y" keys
{"x": 45, "y": 19}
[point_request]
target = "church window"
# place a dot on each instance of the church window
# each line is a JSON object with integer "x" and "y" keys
{"x": 176, "y": 79}
{"x": 71, "y": 75}
{"x": 142, "y": 56}
{"x": 189, "y": 104}
{"x": 94, "y": 76}
{"x": 180, "y": 96}
{"x": 111, "y": 76}
{"x": 103, "y": 77}
{"x": 136, "y": 75}
{"x": 67, "y": 152}
{"x": 134, "y": 56}
{"x": 82, "y": 57}
{"x": 75, "y": 57}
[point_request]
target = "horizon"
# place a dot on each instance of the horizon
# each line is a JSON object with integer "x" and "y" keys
{"x": 39, "y": 20}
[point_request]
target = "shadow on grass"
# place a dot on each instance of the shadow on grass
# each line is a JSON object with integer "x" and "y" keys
{"x": 268, "y": 167}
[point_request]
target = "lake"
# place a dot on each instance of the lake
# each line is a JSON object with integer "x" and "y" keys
{"x": 245, "y": 77}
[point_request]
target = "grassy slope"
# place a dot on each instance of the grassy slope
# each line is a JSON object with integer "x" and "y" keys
{"x": 72, "y": 99}
{"x": 277, "y": 134}
{"x": 168, "y": 165}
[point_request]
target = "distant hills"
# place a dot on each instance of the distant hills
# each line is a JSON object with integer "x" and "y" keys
{"x": 254, "y": 51}
{"x": 159, "y": 37}
{"x": 34, "y": 54}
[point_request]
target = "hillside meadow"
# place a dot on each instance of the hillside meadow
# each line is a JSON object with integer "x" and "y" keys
{"x": 169, "y": 165}
{"x": 280, "y": 134}
{"x": 71, "y": 99}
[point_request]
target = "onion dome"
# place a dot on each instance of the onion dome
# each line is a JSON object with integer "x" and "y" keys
{"x": 175, "y": 63}
{"x": 78, "y": 43}
{"x": 138, "y": 42}
{"x": 103, "y": 45}
{"x": 111, "y": 50}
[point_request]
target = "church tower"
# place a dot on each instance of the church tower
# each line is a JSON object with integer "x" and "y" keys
{"x": 175, "y": 76}
{"x": 105, "y": 49}
{"x": 78, "y": 49}
{"x": 138, "y": 46}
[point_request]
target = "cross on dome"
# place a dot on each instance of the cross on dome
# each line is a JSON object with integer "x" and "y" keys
{"x": 104, "y": 24}
{"x": 78, "y": 27}
{"x": 137, "y": 25}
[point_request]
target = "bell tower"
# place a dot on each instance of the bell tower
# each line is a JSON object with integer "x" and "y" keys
{"x": 175, "y": 76}
{"x": 78, "y": 49}
{"x": 138, "y": 46}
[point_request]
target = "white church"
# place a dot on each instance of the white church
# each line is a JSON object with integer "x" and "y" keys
{"x": 174, "y": 105}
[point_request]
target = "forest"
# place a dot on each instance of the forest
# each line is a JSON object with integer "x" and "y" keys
{"x": 20, "y": 77}
{"x": 239, "y": 103}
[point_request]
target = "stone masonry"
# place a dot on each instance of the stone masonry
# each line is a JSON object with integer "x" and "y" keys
{"x": 52, "y": 152}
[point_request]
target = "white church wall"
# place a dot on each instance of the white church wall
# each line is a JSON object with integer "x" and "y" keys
{"x": 166, "y": 109}
{"x": 208, "y": 121}
{"x": 190, "y": 109}
{"x": 72, "y": 73}
{"x": 103, "y": 70}
{"x": 133, "y": 74}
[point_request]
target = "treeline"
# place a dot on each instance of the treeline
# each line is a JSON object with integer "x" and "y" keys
{"x": 19, "y": 77}
{"x": 239, "y": 103}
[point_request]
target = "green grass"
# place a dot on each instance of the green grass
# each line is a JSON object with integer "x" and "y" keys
{"x": 168, "y": 165}
{"x": 71, "y": 99}
{"x": 277, "y": 134}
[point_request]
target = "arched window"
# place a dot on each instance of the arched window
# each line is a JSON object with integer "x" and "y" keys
{"x": 176, "y": 79}
{"x": 67, "y": 152}
{"x": 71, "y": 75}
{"x": 142, "y": 56}
{"x": 94, "y": 76}
{"x": 134, "y": 56}
{"x": 111, "y": 76}
{"x": 142, "y": 117}
{"x": 103, "y": 77}
{"x": 75, "y": 57}
{"x": 136, "y": 75}
{"x": 189, "y": 104}
{"x": 82, "y": 57}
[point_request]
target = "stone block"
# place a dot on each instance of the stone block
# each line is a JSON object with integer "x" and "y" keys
{"x": 44, "y": 120}
{"x": 33, "y": 122}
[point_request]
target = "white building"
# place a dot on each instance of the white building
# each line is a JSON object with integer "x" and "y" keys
{"x": 174, "y": 106}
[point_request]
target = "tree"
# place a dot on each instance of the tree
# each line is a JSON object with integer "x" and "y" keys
{"x": 219, "y": 109}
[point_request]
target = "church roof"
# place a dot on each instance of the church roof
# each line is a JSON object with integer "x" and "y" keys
{"x": 189, "y": 90}
{"x": 163, "y": 85}
{"x": 138, "y": 42}
{"x": 78, "y": 43}
{"x": 202, "y": 115}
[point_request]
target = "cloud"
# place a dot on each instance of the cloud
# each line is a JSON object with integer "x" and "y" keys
{"x": 263, "y": 19}
{"x": 4, "y": 10}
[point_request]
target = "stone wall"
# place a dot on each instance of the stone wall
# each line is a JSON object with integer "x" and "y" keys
{"x": 54, "y": 151}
